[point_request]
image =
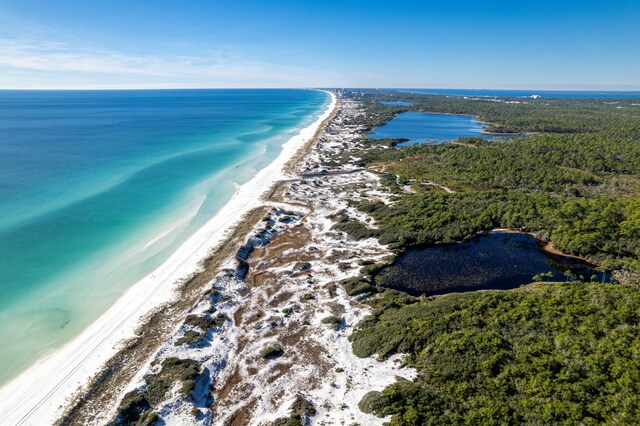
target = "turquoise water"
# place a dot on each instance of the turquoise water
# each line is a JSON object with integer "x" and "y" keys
{"x": 98, "y": 188}
{"x": 421, "y": 127}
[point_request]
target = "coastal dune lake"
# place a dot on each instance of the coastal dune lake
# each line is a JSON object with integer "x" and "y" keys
{"x": 421, "y": 127}
{"x": 99, "y": 188}
{"x": 493, "y": 261}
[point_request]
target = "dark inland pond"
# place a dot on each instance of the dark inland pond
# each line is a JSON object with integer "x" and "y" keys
{"x": 492, "y": 261}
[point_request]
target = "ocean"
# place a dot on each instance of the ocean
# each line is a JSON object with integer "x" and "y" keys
{"x": 98, "y": 188}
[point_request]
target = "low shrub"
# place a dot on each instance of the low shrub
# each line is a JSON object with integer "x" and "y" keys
{"x": 272, "y": 352}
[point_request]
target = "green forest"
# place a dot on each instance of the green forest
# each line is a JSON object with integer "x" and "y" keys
{"x": 578, "y": 185}
{"x": 548, "y": 353}
{"x": 562, "y": 353}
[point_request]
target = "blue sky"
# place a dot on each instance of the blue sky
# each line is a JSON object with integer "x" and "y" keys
{"x": 544, "y": 44}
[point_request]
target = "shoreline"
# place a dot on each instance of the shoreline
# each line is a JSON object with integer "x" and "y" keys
{"x": 36, "y": 396}
{"x": 274, "y": 283}
{"x": 545, "y": 245}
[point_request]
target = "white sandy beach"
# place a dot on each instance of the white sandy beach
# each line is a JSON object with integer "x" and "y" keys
{"x": 39, "y": 395}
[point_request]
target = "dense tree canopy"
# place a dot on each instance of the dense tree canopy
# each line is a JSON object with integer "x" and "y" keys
{"x": 516, "y": 115}
{"x": 553, "y": 353}
{"x": 577, "y": 185}
{"x": 562, "y": 353}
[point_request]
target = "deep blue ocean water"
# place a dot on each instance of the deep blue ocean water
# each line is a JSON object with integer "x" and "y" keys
{"x": 529, "y": 93}
{"x": 419, "y": 127}
{"x": 97, "y": 188}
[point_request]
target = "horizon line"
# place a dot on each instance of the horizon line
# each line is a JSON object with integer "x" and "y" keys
{"x": 590, "y": 90}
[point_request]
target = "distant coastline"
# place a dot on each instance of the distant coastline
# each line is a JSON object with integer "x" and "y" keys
{"x": 494, "y": 93}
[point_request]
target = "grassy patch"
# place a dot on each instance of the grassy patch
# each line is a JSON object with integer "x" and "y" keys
{"x": 189, "y": 337}
{"x": 136, "y": 406}
{"x": 332, "y": 320}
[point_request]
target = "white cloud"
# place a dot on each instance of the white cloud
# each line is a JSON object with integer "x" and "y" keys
{"x": 52, "y": 64}
{"x": 53, "y": 56}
